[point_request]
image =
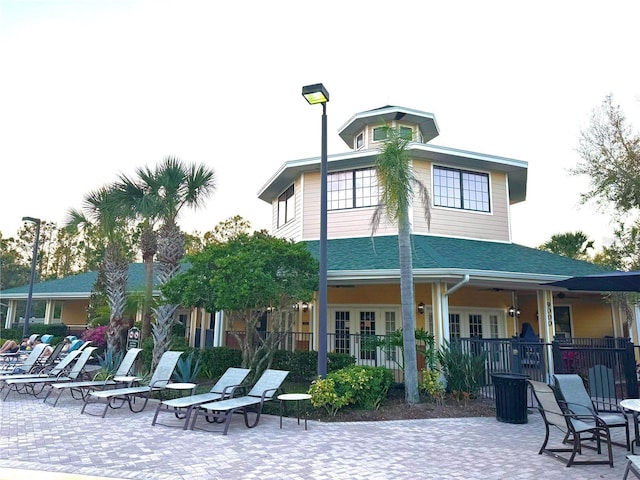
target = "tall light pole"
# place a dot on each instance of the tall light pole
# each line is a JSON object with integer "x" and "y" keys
{"x": 27, "y": 314}
{"x": 315, "y": 94}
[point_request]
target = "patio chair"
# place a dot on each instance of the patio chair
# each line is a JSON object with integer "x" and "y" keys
{"x": 577, "y": 399}
{"x": 576, "y": 429}
{"x": 120, "y": 377}
{"x": 36, "y": 385}
{"x": 224, "y": 388}
{"x": 29, "y": 364}
{"x": 633, "y": 466}
{"x": 46, "y": 338}
{"x": 55, "y": 370}
{"x": 161, "y": 376}
{"x": 222, "y": 411}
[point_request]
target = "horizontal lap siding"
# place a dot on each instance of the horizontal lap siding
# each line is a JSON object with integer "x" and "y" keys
{"x": 461, "y": 223}
{"x": 292, "y": 230}
{"x": 354, "y": 222}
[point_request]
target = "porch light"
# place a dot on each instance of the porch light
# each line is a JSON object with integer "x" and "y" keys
{"x": 513, "y": 311}
{"x": 305, "y": 306}
{"x": 296, "y": 307}
{"x": 421, "y": 308}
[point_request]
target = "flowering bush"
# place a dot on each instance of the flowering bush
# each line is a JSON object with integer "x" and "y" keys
{"x": 97, "y": 335}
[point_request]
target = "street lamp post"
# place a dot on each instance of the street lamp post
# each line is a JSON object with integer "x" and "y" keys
{"x": 27, "y": 314}
{"x": 315, "y": 94}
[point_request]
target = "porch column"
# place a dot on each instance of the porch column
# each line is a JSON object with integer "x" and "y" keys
{"x": 11, "y": 313}
{"x": 440, "y": 307}
{"x": 48, "y": 312}
{"x": 634, "y": 330}
{"x": 546, "y": 324}
{"x": 203, "y": 327}
{"x": 218, "y": 329}
{"x": 193, "y": 317}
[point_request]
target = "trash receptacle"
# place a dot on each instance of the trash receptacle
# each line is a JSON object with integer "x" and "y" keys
{"x": 511, "y": 397}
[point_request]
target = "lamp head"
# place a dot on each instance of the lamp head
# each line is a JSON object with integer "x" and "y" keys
{"x": 31, "y": 219}
{"x": 315, "y": 93}
{"x": 421, "y": 307}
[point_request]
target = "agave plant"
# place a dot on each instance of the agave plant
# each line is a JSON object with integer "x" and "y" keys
{"x": 109, "y": 363}
{"x": 186, "y": 371}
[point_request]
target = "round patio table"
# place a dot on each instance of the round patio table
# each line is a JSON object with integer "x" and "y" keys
{"x": 293, "y": 397}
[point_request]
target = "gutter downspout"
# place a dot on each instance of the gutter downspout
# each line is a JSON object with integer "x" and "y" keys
{"x": 446, "y": 334}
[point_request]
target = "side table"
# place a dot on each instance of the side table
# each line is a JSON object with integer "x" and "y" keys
{"x": 182, "y": 387}
{"x": 293, "y": 397}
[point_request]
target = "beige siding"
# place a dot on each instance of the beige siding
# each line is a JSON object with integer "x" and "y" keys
{"x": 293, "y": 229}
{"x": 460, "y": 223}
{"x": 74, "y": 312}
{"x": 340, "y": 223}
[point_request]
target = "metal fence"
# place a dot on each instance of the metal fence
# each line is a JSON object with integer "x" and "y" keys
{"x": 607, "y": 365}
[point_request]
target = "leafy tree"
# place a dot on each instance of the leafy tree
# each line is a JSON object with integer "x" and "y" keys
{"x": 227, "y": 229}
{"x": 397, "y": 182}
{"x": 14, "y": 269}
{"x": 570, "y": 244}
{"x": 244, "y": 277}
{"x": 610, "y": 158}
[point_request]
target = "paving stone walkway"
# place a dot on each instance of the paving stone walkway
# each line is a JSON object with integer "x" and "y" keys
{"x": 38, "y": 441}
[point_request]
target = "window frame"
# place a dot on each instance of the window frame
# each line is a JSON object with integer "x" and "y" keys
{"x": 353, "y": 192}
{"x": 460, "y": 190}
{"x": 287, "y": 200}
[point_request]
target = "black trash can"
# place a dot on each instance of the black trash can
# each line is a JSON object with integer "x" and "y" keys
{"x": 511, "y": 397}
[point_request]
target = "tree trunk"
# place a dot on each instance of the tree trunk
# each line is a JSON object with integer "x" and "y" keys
{"x": 412, "y": 394}
{"x": 116, "y": 272}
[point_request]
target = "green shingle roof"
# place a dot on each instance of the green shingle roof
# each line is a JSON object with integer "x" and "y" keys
{"x": 377, "y": 254}
{"x": 431, "y": 252}
{"x": 78, "y": 284}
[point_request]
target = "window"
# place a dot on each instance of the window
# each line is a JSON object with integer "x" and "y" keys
{"x": 379, "y": 134}
{"x": 286, "y": 206}
{"x": 353, "y": 189}
{"x": 406, "y": 132}
{"x": 475, "y": 326}
{"x": 494, "y": 326}
{"x": 359, "y": 141}
{"x": 342, "y": 338}
{"x": 454, "y": 326}
{"x": 562, "y": 319}
{"x": 390, "y": 328}
{"x": 461, "y": 189}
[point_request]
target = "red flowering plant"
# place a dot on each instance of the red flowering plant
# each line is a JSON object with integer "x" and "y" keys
{"x": 97, "y": 336}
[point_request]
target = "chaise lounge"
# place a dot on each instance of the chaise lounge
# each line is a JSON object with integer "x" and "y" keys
{"x": 222, "y": 411}
{"x": 224, "y": 388}
{"x": 161, "y": 377}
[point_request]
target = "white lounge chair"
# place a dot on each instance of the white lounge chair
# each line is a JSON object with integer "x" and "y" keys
{"x": 161, "y": 376}
{"x": 83, "y": 388}
{"x": 223, "y": 388}
{"x": 223, "y": 410}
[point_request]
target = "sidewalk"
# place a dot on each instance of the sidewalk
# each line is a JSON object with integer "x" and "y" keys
{"x": 55, "y": 441}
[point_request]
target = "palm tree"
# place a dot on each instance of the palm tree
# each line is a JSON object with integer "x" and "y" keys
{"x": 397, "y": 182}
{"x": 100, "y": 215}
{"x": 163, "y": 193}
{"x": 157, "y": 196}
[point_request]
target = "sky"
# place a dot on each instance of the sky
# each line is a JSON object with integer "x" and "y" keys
{"x": 90, "y": 89}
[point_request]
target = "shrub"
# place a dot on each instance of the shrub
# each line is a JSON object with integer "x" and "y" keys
{"x": 55, "y": 329}
{"x": 364, "y": 387}
{"x": 302, "y": 365}
{"x": 432, "y": 386}
{"x": 97, "y": 336}
{"x": 214, "y": 361}
{"x": 338, "y": 361}
{"x": 462, "y": 371}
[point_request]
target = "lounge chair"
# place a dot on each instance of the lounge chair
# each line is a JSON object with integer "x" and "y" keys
{"x": 263, "y": 391}
{"x": 183, "y": 406}
{"x": 36, "y": 385}
{"x": 31, "y": 363}
{"x": 573, "y": 427}
{"x": 120, "y": 377}
{"x": 46, "y": 338}
{"x": 55, "y": 370}
{"x": 573, "y": 392}
{"x": 161, "y": 376}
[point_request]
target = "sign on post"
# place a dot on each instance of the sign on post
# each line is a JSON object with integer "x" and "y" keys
{"x": 133, "y": 338}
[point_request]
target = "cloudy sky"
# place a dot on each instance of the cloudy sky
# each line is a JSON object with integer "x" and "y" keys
{"x": 90, "y": 89}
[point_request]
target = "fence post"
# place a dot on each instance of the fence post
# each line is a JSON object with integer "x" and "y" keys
{"x": 630, "y": 371}
{"x": 515, "y": 357}
{"x": 558, "y": 365}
